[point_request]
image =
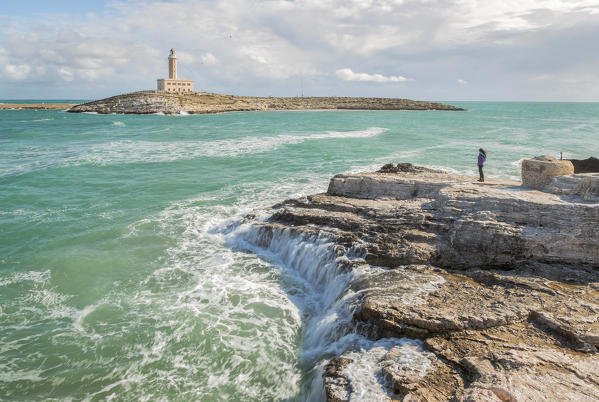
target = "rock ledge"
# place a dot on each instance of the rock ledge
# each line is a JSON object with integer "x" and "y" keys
{"x": 500, "y": 282}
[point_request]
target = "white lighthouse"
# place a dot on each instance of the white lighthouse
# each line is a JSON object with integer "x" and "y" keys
{"x": 172, "y": 83}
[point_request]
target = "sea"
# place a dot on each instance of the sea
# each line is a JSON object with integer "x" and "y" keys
{"x": 127, "y": 271}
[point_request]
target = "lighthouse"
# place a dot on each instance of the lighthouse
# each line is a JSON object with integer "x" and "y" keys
{"x": 172, "y": 83}
{"x": 172, "y": 65}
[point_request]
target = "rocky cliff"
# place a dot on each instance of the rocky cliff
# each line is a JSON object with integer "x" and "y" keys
{"x": 149, "y": 102}
{"x": 500, "y": 283}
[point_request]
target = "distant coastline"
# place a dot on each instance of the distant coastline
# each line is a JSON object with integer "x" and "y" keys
{"x": 36, "y": 106}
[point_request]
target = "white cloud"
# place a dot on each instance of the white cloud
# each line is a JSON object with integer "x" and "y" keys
{"x": 209, "y": 59}
{"x": 16, "y": 72}
{"x": 66, "y": 73}
{"x": 462, "y": 82}
{"x": 346, "y": 74}
{"x": 258, "y": 58}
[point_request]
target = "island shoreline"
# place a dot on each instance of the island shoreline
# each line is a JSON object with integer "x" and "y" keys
{"x": 152, "y": 102}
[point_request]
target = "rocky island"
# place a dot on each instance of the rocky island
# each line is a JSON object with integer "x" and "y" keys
{"x": 499, "y": 282}
{"x": 151, "y": 102}
{"x": 175, "y": 95}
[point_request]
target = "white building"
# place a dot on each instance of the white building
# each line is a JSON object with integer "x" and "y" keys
{"x": 172, "y": 83}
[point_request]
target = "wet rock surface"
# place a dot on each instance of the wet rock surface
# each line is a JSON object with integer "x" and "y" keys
{"x": 406, "y": 168}
{"x": 589, "y": 165}
{"x": 337, "y": 385}
{"x": 500, "y": 282}
{"x": 149, "y": 102}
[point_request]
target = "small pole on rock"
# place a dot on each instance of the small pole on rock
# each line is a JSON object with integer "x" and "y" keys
{"x": 561, "y": 157}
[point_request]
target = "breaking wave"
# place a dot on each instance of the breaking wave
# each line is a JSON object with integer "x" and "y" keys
{"x": 138, "y": 151}
{"x": 130, "y": 151}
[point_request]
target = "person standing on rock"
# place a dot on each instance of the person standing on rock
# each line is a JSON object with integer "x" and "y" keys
{"x": 482, "y": 157}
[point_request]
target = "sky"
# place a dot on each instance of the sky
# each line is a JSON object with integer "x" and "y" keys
{"x": 460, "y": 50}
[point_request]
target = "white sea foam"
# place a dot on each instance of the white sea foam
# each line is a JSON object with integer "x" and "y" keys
{"x": 82, "y": 314}
{"x": 118, "y": 123}
{"x": 518, "y": 163}
{"x": 8, "y": 375}
{"x": 364, "y": 372}
{"x": 36, "y": 120}
{"x": 17, "y": 277}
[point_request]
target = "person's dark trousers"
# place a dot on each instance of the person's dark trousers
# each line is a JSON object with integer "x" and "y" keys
{"x": 480, "y": 173}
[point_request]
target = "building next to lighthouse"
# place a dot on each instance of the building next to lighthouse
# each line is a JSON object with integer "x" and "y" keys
{"x": 172, "y": 83}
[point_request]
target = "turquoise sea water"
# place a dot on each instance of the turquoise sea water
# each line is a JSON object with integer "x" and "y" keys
{"x": 118, "y": 276}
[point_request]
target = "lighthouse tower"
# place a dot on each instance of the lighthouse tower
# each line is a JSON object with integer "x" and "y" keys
{"x": 172, "y": 83}
{"x": 172, "y": 65}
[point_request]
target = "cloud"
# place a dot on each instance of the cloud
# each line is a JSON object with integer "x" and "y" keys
{"x": 209, "y": 59}
{"x": 15, "y": 72}
{"x": 66, "y": 73}
{"x": 273, "y": 47}
{"x": 346, "y": 74}
{"x": 462, "y": 82}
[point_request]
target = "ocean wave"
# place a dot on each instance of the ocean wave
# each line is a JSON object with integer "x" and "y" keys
{"x": 131, "y": 151}
{"x": 518, "y": 163}
{"x": 36, "y": 120}
{"x": 134, "y": 151}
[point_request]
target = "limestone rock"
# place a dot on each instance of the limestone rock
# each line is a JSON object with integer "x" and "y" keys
{"x": 584, "y": 185}
{"x": 539, "y": 172}
{"x": 448, "y": 221}
{"x": 439, "y": 384}
{"x": 402, "y": 187}
{"x": 500, "y": 282}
